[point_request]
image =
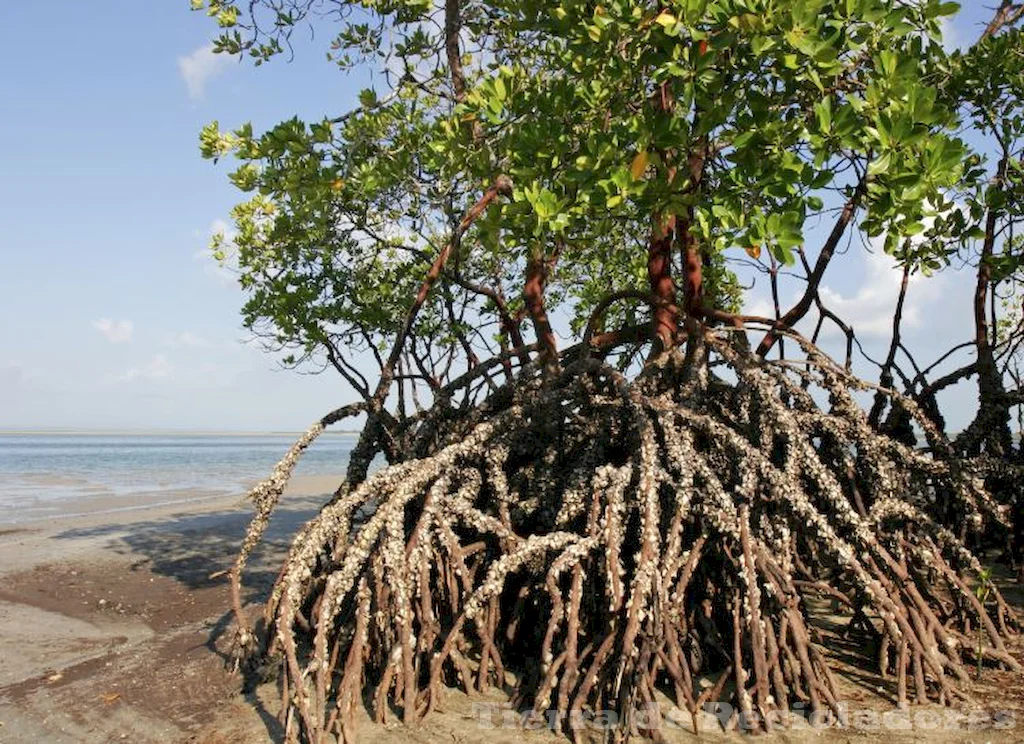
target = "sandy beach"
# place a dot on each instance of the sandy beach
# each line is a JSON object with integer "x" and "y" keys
{"x": 114, "y": 627}
{"x": 111, "y": 627}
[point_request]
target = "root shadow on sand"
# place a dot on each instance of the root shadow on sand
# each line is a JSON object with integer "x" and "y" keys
{"x": 197, "y": 549}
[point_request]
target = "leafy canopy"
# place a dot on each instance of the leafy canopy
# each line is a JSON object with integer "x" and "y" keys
{"x": 597, "y": 111}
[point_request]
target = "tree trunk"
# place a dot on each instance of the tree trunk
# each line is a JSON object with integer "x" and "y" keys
{"x": 663, "y": 287}
{"x": 533, "y": 294}
{"x": 993, "y": 419}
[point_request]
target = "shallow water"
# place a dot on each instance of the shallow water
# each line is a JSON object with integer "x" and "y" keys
{"x": 53, "y": 474}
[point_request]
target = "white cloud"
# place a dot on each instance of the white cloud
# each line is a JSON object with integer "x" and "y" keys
{"x": 936, "y": 302}
{"x": 117, "y": 332}
{"x": 865, "y": 298}
{"x": 187, "y": 338}
{"x": 870, "y": 309}
{"x": 198, "y": 68}
{"x": 157, "y": 368}
{"x": 227, "y": 232}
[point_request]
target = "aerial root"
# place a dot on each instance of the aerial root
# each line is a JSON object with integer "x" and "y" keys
{"x": 264, "y": 497}
{"x": 599, "y": 544}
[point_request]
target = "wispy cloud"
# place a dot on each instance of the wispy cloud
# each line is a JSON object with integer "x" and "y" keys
{"x": 157, "y": 368}
{"x": 866, "y": 299}
{"x": 116, "y": 332}
{"x": 869, "y": 309}
{"x": 187, "y": 338}
{"x": 199, "y": 67}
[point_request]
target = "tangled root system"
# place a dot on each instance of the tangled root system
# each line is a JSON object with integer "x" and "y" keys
{"x": 607, "y": 541}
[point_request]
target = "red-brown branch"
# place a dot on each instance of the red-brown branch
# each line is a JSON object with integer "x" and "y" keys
{"x": 509, "y": 324}
{"x": 991, "y": 406}
{"x": 886, "y": 379}
{"x": 981, "y": 334}
{"x": 799, "y": 310}
{"x": 693, "y": 271}
{"x": 452, "y": 24}
{"x": 665, "y": 315}
{"x": 693, "y": 260}
{"x": 502, "y": 187}
{"x": 533, "y": 295}
{"x": 362, "y": 453}
{"x": 981, "y": 325}
{"x": 1007, "y": 14}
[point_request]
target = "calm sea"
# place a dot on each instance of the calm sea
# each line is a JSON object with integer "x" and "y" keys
{"x": 50, "y": 475}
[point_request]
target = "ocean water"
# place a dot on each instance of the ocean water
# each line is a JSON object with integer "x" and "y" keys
{"x": 57, "y": 475}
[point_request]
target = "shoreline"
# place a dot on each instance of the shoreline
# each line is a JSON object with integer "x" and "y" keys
{"x": 104, "y": 507}
{"x": 60, "y": 475}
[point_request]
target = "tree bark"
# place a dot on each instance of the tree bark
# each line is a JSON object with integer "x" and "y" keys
{"x": 452, "y": 26}
{"x": 886, "y": 378}
{"x": 1007, "y": 14}
{"x": 665, "y": 313}
{"x": 533, "y": 295}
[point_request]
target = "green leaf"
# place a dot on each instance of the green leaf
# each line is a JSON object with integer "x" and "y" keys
{"x": 823, "y": 110}
{"x": 880, "y": 165}
{"x": 367, "y": 98}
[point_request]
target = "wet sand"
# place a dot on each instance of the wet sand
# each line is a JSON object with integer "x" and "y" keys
{"x": 112, "y": 623}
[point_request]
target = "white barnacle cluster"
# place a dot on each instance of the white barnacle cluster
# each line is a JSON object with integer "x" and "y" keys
{"x": 265, "y": 494}
{"x": 944, "y": 539}
{"x": 571, "y": 556}
{"x": 613, "y": 482}
{"x": 495, "y": 459}
{"x": 495, "y": 579}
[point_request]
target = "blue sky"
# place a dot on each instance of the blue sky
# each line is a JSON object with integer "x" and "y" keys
{"x": 112, "y": 315}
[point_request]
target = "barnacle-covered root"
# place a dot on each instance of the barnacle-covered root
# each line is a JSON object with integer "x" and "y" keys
{"x": 610, "y": 540}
